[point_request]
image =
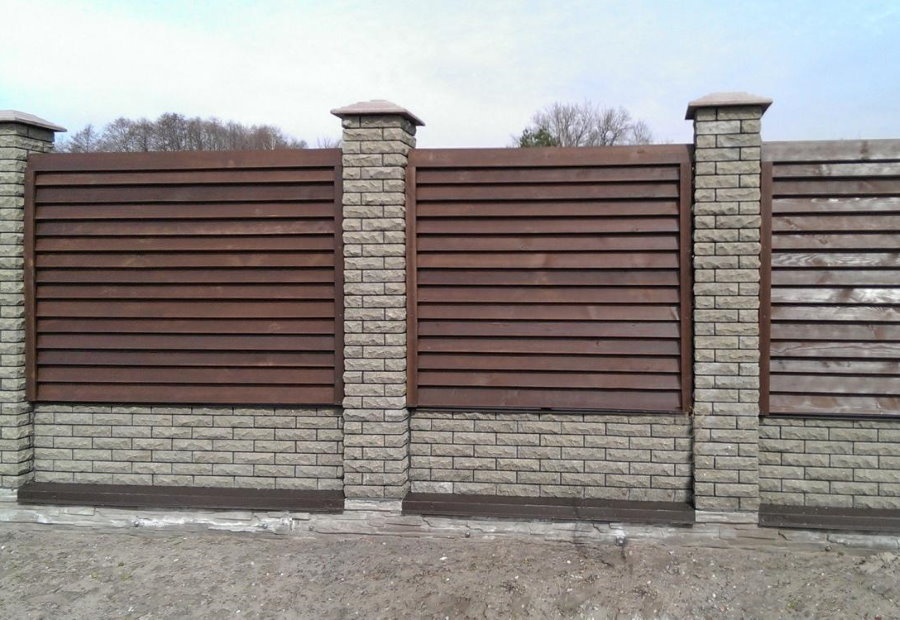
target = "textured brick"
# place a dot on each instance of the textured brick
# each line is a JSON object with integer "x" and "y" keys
{"x": 537, "y": 454}
{"x": 375, "y": 151}
{"x": 726, "y": 355}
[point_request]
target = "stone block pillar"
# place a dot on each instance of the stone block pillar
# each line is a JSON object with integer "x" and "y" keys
{"x": 20, "y": 135}
{"x": 726, "y": 218}
{"x": 377, "y": 139}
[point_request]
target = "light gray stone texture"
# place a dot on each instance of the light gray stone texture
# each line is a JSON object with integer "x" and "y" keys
{"x": 608, "y": 456}
{"x": 377, "y": 139}
{"x": 726, "y": 303}
{"x": 20, "y": 135}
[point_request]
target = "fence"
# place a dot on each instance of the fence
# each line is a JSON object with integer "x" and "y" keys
{"x": 551, "y": 279}
{"x": 552, "y": 325}
{"x": 184, "y": 278}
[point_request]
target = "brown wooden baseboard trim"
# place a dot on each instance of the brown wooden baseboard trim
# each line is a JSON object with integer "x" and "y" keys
{"x": 549, "y": 508}
{"x": 821, "y": 518}
{"x": 210, "y": 498}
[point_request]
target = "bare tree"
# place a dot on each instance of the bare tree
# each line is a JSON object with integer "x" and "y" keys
{"x": 328, "y": 143}
{"x": 175, "y": 132}
{"x": 583, "y": 124}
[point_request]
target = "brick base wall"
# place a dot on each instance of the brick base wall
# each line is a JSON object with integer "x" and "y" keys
{"x": 189, "y": 446}
{"x": 552, "y": 455}
{"x": 839, "y": 463}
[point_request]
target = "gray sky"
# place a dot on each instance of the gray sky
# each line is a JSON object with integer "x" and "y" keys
{"x": 474, "y": 71}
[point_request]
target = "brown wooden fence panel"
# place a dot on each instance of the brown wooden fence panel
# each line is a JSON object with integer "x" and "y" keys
{"x": 184, "y": 277}
{"x": 831, "y": 278}
{"x": 550, "y": 278}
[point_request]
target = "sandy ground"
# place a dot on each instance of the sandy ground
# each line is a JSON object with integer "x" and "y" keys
{"x": 49, "y": 572}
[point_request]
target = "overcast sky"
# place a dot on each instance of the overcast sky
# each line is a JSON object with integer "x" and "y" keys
{"x": 474, "y": 71}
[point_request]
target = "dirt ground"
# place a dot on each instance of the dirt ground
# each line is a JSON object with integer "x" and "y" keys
{"x": 49, "y": 572}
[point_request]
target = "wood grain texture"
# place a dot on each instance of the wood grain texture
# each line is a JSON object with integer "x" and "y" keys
{"x": 834, "y": 338}
{"x": 550, "y": 278}
{"x": 183, "y": 278}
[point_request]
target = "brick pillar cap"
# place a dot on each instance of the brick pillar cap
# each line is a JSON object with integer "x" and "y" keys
{"x": 14, "y": 116}
{"x": 726, "y": 100}
{"x": 377, "y": 107}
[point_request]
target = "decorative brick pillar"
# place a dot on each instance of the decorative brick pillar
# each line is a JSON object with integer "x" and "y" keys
{"x": 20, "y": 135}
{"x": 377, "y": 139}
{"x": 726, "y": 304}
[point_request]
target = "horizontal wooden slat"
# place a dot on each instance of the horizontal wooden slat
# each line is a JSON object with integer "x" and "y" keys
{"x": 835, "y": 295}
{"x": 825, "y": 241}
{"x": 263, "y": 247}
{"x": 888, "y": 314}
{"x": 192, "y": 177}
{"x": 834, "y": 405}
{"x": 546, "y": 225}
{"x": 528, "y": 361}
{"x": 826, "y": 384}
{"x": 198, "y": 309}
{"x": 862, "y": 222}
{"x": 181, "y": 342}
{"x": 836, "y": 331}
{"x": 185, "y": 276}
{"x": 570, "y": 329}
{"x": 832, "y": 367}
{"x": 190, "y": 291}
{"x": 184, "y": 160}
{"x": 549, "y": 260}
{"x": 572, "y": 346}
{"x": 830, "y": 151}
{"x": 861, "y": 350}
{"x": 836, "y": 170}
{"x": 540, "y": 243}
{"x": 657, "y": 154}
{"x": 546, "y": 191}
{"x": 198, "y": 211}
{"x": 861, "y": 259}
{"x": 530, "y": 379}
{"x": 567, "y": 208}
{"x": 616, "y": 400}
{"x": 185, "y": 394}
{"x": 549, "y": 312}
{"x": 184, "y": 228}
{"x": 856, "y": 187}
{"x": 178, "y": 259}
{"x": 535, "y": 277}
{"x": 184, "y": 193}
{"x": 187, "y": 376}
{"x": 840, "y": 277}
{"x": 187, "y": 326}
{"x": 226, "y": 359}
{"x": 843, "y": 204}
{"x": 524, "y": 174}
{"x": 557, "y": 294}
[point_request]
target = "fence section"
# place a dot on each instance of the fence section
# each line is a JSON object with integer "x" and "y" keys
{"x": 184, "y": 278}
{"x": 550, "y": 278}
{"x": 831, "y": 278}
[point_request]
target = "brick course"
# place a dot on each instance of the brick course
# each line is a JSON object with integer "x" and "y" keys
{"x": 552, "y": 455}
{"x": 823, "y": 462}
{"x": 262, "y": 447}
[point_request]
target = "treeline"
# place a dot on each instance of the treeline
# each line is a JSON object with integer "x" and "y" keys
{"x": 175, "y": 132}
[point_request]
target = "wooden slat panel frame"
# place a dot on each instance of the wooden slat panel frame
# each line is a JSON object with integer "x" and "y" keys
{"x": 73, "y": 165}
{"x": 679, "y": 155}
{"x": 821, "y": 184}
